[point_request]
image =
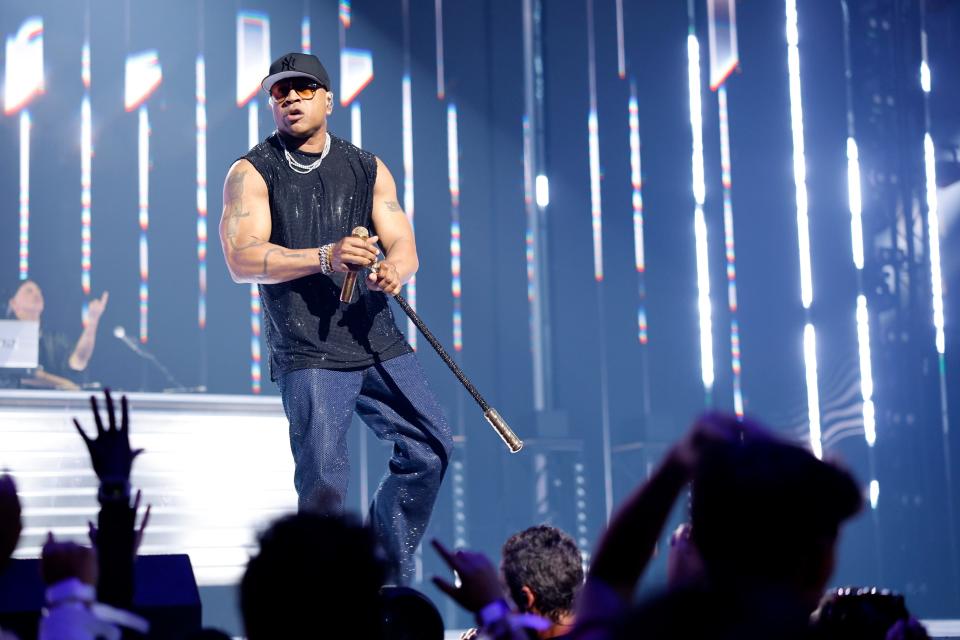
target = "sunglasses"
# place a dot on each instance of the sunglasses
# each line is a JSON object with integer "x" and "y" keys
{"x": 304, "y": 87}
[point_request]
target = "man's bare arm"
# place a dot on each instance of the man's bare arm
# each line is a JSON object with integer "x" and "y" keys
{"x": 245, "y": 231}
{"x": 395, "y": 233}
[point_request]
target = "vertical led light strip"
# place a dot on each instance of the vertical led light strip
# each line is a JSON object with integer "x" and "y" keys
{"x": 254, "y": 292}
{"x": 639, "y": 243}
{"x": 23, "y": 81}
{"x": 534, "y": 165}
{"x": 596, "y": 217}
{"x": 142, "y": 76}
{"x": 25, "y": 126}
{"x": 933, "y": 225}
{"x": 86, "y": 157}
{"x": 305, "y": 42}
{"x": 936, "y": 289}
{"x": 699, "y": 222}
{"x": 803, "y": 227}
{"x": 621, "y": 51}
{"x": 854, "y": 200}
{"x": 438, "y": 15}
{"x": 143, "y": 215}
{"x": 253, "y": 56}
{"x": 453, "y": 173}
{"x": 356, "y": 124}
{"x": 855, "y": 205}
{"x": 408, "y": 204}
{"x": 730, "y": 250}
{"x": 636, "y": 183}
{"x": 593, "y": 146}
{"x": 530, "y": 256}
{"x": 201, "y": 72}
{"x": 256, "y": 374}
{"x": 407, "y": 133}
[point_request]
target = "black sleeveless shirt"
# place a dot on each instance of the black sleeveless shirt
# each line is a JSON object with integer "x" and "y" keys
{"x": 304, "y": 324}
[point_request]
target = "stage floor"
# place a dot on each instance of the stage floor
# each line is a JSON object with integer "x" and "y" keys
{"x": 217, "y": 469}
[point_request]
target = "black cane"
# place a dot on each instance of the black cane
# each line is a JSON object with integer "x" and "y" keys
{"x": 492, "y": 415}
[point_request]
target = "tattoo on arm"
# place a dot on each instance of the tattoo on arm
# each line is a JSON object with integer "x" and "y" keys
{"x": 235, "y": 185}
{"x": 236, "y": 212}
{"x": 266, "y": 256}
{"x": 392, "y": 205}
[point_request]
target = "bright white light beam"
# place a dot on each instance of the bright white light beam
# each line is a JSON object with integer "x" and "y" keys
{"x": 803, "y": 225}
{"x": 704, "y": 306}
{"x": 933, "y": 231}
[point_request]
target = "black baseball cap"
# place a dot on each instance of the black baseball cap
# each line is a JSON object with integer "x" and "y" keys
{"x": 296, "y": 65}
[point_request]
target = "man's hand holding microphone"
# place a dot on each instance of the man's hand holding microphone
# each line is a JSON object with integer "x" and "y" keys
{"x": 358, "y": 251}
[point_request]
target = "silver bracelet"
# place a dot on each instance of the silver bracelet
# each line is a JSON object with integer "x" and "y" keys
{"x": 326, "y": 259}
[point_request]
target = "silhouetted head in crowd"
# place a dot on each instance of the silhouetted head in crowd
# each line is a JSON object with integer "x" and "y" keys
{"x": 767, "y": 514}
{"x": 409, "y": 615}
{"x": 10, "y": 522}
{"x": 315, "y": 576}
{"x": 543, "y": 570}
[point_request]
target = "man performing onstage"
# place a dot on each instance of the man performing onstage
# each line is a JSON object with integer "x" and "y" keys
{"x": 289, "y": 207}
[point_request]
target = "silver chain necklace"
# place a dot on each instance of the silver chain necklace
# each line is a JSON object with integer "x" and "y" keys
{"x": 300, "y": 167}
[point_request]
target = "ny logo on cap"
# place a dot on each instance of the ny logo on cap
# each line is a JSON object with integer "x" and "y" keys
{"x": 288, "y": 64}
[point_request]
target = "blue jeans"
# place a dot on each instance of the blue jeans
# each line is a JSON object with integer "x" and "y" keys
{"x": 393, "y": 399}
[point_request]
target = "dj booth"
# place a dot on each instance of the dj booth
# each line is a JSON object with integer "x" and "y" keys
{"x": 216, "y": 468}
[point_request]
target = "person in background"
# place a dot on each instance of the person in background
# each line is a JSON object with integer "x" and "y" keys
{"x": 10, "y": 519}
{"x": 76, "y": 575}
{"x": 314, "y": 576}
{"x": 290, "y": 206}
{"x": 11, "y": 525}
{"x": 765, "y": 516}
{"x": 543, "y": 571}
{"x": 116, "y": 538}
{"x": 60, "y": 360}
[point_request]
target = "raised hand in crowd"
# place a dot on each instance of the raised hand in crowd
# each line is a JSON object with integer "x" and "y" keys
{"x": 479, "y": 581}
{"x": 116, "y": 537}
{"x": 684, "y": 564}
{"x": 629, "y": 543}
{"x": 93, "y": 532}
{"x": 479, "y": 591}
{"x": 710, "y": 431}
{"x": 110, "y": 451}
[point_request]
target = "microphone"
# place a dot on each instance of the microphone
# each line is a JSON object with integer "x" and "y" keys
{"x": 350, "y": 281}
{"x": 121, "y": 334}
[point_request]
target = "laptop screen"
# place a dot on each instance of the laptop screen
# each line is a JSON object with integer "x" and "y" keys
{"x": 19, "y": 344}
